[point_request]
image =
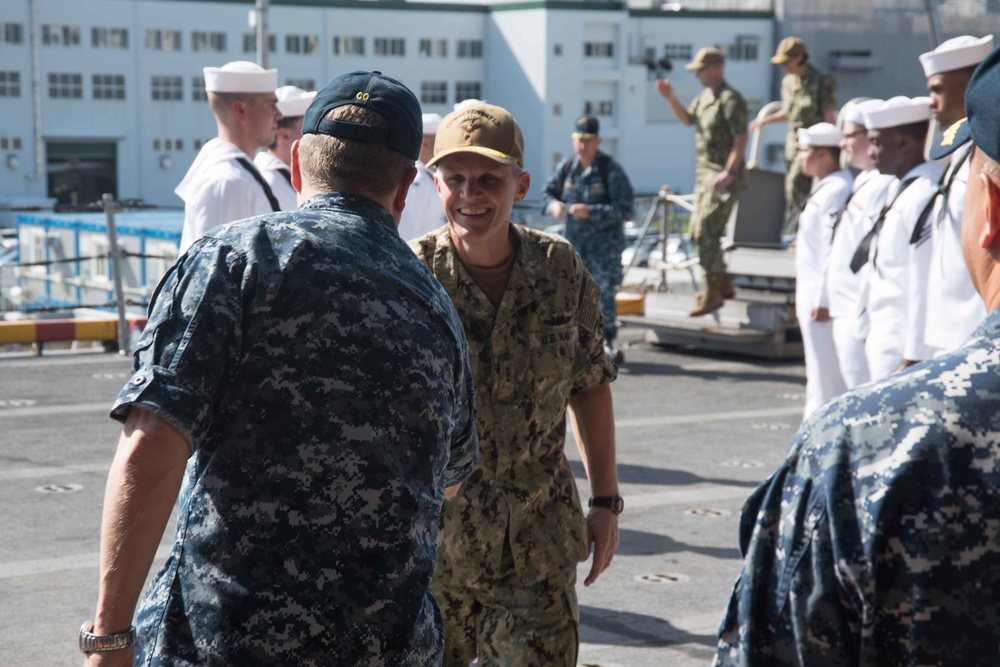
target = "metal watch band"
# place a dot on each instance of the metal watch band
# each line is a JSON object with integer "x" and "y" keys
{"x": 91, "y": 643}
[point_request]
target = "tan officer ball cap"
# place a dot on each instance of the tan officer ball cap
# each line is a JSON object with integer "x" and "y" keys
{"x": 705, "y": 57}
{"x": 483, "y": 129}
{"x": 788, "y": 48}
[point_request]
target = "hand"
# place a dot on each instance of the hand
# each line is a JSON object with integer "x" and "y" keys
{"x": 121, "y": 658}
{"x": 581, "y": 211}
{"x": 557, "y": 210}
{"x": 665, "y": 88}
{"x": 755, "y": 124}
{"x": 722, "y": 181}
{"x": 602, "y": 539}
{"x": 820, "y": 314}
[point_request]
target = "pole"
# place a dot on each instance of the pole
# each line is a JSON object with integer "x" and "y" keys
{"x": 261, "y": 24}
{"x": 934, "y": 23}
{"x": 116, "y": 267}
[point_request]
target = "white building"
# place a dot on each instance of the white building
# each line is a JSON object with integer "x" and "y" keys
{"x": 107, "y": 95}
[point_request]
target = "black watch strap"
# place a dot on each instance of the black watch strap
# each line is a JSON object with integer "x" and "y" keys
{"x": 614, "y": 503}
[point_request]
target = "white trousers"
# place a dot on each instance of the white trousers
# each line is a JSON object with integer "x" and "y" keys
{"x": 823, "y": 379}
{"x": 884, "y": 350}
{"x": 850, "y": 352}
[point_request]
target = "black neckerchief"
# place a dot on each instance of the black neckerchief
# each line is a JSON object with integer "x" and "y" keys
{"x": 861, "y": 254}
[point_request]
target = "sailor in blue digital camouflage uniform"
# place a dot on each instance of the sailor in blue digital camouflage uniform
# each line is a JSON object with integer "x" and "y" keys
{"x": 591, "y": 191}
{"x": 313, "y": 377}
{"x": 877, "y": 542}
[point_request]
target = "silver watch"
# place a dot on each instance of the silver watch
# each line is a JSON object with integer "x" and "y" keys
{"x": 91, "y": 643}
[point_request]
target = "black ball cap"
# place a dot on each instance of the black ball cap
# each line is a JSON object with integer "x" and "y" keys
{"x": 383, "y": 95}
{"x": 982, "y": 122}
{"x": 586, "y": 127}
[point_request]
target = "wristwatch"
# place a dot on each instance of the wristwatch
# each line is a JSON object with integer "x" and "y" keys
{"x": 730, "y": 171}
{"x": 614, "y": 503}
{"x": 91, "y": 643}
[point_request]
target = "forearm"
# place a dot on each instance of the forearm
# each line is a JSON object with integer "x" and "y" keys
{"x": 142, "y": 487}
{"x": 679, "y": 110}
{"x": 593, "y": 420}
{"x": 735, "y": 157}
{"x": 775, "y": 117}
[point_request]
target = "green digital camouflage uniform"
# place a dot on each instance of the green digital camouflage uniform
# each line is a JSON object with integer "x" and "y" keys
{"x": 719, "y": 116}
{"x": 512, "y": 537}
{"x": 805, "y": 101}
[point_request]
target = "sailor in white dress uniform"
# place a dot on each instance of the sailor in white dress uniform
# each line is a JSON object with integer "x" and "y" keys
{"x": 275, "y": 163}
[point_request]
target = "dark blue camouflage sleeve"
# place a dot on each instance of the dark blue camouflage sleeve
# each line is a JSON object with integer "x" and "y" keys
{"x": 191, "y": 344}
{"x": 464, "y": 456}
{"x": 553, "y": 190}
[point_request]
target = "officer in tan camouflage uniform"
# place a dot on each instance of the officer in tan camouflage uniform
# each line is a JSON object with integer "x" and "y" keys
{"x": 808, "y": 96}
{"x": 512, "y": 537}
{"x": 719, "y": 115}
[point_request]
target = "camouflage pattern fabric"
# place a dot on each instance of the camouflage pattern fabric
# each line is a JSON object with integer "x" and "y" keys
{"x": 805, "y": 101}
{"x": 527, "y": 358}
{"x": 877, "y": 542}
{"x": 320, "y": 375}
{"x": 510, "y": 625}
{"x": 719, "y": 116}
{"x": 599, "y": 239}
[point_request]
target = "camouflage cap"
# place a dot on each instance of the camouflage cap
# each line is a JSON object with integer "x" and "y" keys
{"x": 788, "y": 48}
{"x": 484, "y": 129}
{"x": 705, "y": 57}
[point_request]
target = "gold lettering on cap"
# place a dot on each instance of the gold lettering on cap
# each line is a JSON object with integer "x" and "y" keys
{"x": 948, "y": 138}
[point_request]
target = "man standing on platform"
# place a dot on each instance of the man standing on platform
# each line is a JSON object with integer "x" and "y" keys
{"x": 808, "y": 96}
{"x": 275, "y": 163}
{"x": 223, "y": 184}
{"x": 719, "y": 115}
{"x": 592, "y": 193}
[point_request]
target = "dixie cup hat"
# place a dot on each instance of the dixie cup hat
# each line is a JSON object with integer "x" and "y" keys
{"x": 897, "y": 111}
{"x": 373, "y": 90}
{"x": 293, "y": 101}
{"x": 956, "y": 53}
{"x": 240, "y": 76}
{"x": 820, "y": 135}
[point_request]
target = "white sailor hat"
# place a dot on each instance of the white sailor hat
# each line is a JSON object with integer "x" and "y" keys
{"x": 820, "y": 135}
{"x": 964, "y": 51}
{"x": 854, "y": 112}
{"x": 293, "y": 101}
{"x": 898, "y": 111}
{"x": 431, "y": 122}
{"x": 467, "y": 103}
{"x": 240, "y": 76}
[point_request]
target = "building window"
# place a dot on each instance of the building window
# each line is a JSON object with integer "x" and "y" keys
{"x": 598, "y": 108}
{"x": 115, "y": 38}
{"x": 10, "y": 84}
{"x": 67, "y": 86}
{"x": 65, "y": 35}
{"x": 470, "y": 48}
{"x": 198, "y": 92}
{"x": 557, "y": 49}
{"x": 156, "y": 144}
{"x": 467, "y": 90}
{"x": 677, "y": 51}
{"x": 598, "y": 49}
{"x": 433, "y": 92}
{"x": 348, "y": 46}
{"x": 745, "y": 48}
{"x": 208, "y": 41}
{"x": 390, "y": 46}
{"x": 168, "y": 88}
{"x": 304, "y": 84}
{"x": 250, "y": 43}
{"x": 11, "y": 33}
{"x": 163, "y": 40}
{"x": 433, "y": 48}
{"x": 301, "y": 44}
{"x": 99, "y": 260}
{"x": 109, "y": 86}
{"x": 556, "y": 109}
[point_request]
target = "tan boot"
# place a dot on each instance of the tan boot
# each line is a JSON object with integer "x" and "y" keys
{"x": 727, "y": 287}
{"x": 713, "y": 301}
